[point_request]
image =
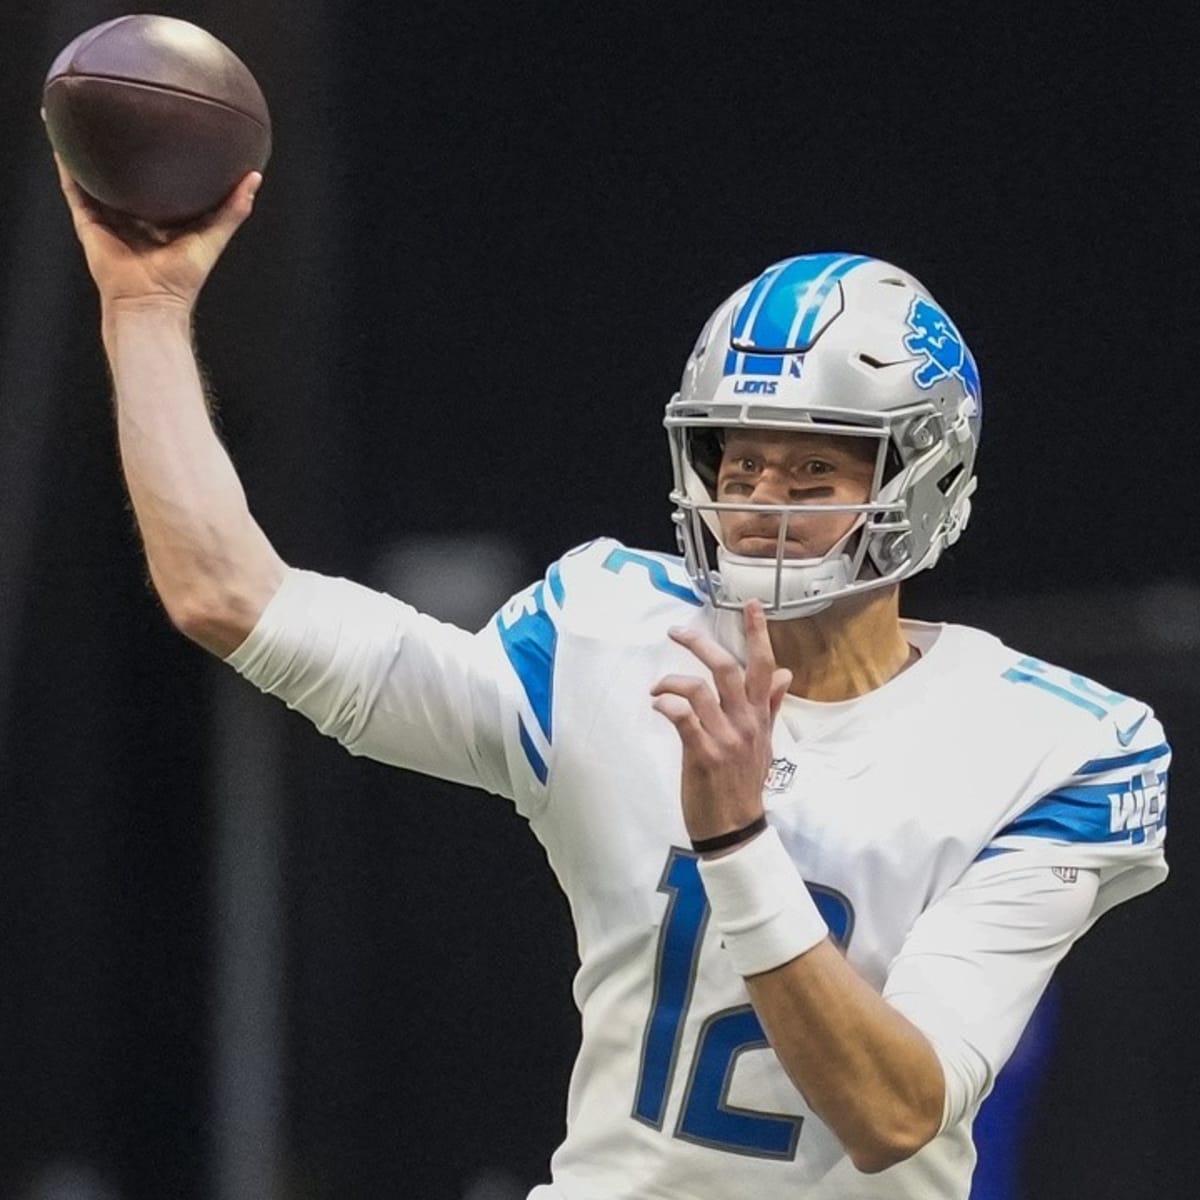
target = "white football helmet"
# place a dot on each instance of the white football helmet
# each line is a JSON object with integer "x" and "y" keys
{"x": 832, "y": 344}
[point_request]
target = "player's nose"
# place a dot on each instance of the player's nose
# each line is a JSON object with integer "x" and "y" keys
{"x": 771, "y": 487}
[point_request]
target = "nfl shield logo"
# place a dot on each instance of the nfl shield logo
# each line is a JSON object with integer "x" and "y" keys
{"x": 780, "y": 775}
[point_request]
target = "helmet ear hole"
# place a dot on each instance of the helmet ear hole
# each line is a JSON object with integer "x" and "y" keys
{"x": 892, "y": 463}
{"x": 950, "y": 478}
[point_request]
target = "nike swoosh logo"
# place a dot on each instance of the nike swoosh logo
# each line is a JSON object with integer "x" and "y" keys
{"x": 1125, "y": 736}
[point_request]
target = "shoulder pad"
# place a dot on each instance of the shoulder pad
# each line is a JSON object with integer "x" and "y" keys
{"x": 612, "y": 591}
{"x": 600, "y": 590}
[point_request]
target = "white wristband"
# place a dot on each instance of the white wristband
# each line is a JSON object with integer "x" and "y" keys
{"x": 761, "y": 906}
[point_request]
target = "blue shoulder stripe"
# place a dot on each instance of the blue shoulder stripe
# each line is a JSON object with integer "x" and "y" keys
{"x": 1071, "y": 815}
{"x": 536, "y": 761}
{"x": 556, "y": 584}
{"x": 992, "y": 851}
{"x": 530, "y": 642}
{"x": 1118, "y": 812}
{"x": 528, "y": 631}
{"x": 1098, "y": 766}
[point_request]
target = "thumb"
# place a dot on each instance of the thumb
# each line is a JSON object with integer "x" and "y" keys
{"x": 246, "y": 191}
{"x": 216, "y": 231}
{"x": 239, "y": 204}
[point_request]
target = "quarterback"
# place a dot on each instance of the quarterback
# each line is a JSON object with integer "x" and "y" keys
{"x": 821, "y": 860}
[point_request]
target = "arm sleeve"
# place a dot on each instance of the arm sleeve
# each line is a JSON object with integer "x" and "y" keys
{"x": 391, "y": 683}
{"x": 976, "y": 962}
{"x": 978, "y": 959}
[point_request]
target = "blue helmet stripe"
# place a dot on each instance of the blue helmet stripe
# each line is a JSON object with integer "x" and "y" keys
{"x": 817, "y": 298}
{"x": 749, "y": 308}
{"x": 777, "y": 307}
{"x": 752, "y": 364}
{"x": 794, "y": 307}
{"x": 762, "y": 364}
{"x": 788, "y": 312}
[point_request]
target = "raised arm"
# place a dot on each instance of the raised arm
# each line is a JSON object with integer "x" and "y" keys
{"x": 383, "y": 679}
{"x": 212, "y": 565}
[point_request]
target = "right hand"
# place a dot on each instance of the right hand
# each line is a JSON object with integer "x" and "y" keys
{"x": 135, "y": 263}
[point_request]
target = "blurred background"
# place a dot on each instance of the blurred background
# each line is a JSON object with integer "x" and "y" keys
{"x": 237, "y": 963}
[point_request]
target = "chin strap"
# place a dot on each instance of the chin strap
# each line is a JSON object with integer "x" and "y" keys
{"x": 803, "y": 582}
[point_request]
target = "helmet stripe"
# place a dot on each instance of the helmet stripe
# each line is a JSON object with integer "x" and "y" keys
{"x": 749, "y": 309}
{"x": 785, "y": 310}
{"x": 815, "y": 289}
{"x": 802, "y": 334}
{"x": 782, "y": 283}
{"x": 788, "y": 290}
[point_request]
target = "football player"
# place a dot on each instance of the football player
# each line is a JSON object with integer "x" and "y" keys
{"x": 822, "y": 860}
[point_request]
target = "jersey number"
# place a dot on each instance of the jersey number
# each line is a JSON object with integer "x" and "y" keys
{"x": 1074, "y": 689}
{"x": 656, "y": 572}
{"x": 706, "y": 1116}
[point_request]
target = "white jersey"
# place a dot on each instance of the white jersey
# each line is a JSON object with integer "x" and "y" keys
{"x": 959, "y": 827}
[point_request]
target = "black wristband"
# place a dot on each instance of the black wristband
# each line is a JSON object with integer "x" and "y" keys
{"x": 735, "y": 836}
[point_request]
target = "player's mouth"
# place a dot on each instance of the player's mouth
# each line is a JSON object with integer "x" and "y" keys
{"x": 761, "y": 546}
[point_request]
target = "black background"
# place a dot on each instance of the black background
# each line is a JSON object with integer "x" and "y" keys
{"x": 486, "y": 241}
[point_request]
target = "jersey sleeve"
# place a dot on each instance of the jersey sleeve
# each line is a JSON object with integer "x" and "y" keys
{"x": 396, "y": 685}
{"x": 975, "y": 963}
{"x": 977, "y": 960}
{"x": 1109, "y": 814}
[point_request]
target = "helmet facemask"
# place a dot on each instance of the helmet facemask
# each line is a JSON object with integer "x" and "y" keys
{"x": 871, "y": 554}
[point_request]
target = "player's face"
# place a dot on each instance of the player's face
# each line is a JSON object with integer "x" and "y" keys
{"x": 761, "y": 466}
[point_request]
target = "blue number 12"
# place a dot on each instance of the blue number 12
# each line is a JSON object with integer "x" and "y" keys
{"x": 706, "y": 1116}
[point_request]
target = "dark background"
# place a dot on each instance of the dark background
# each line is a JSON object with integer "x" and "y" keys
{"x": 486, "y": 241}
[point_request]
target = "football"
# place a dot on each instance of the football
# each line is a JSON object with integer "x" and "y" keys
{"x": 155, "y": 118}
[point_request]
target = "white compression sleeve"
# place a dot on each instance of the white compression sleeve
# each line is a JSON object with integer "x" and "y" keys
{"x": 976, "y": 962}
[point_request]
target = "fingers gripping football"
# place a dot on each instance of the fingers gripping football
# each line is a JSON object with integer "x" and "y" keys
{"x": 134, "y": 261}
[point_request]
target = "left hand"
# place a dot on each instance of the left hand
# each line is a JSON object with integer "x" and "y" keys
{"x": 726, "y": 734}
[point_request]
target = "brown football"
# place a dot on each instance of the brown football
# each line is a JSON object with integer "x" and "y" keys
{"x": 155, "y": 117}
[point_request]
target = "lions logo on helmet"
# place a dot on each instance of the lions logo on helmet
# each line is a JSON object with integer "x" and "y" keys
{"x": 933, "y": 335}
{"x": 838, "y": 344}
